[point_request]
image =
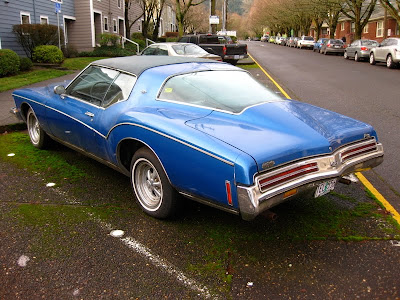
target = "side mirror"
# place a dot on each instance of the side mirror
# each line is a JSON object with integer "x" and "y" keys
{"x": 59, "y": 90}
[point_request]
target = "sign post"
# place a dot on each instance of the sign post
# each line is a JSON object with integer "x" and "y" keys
{"x": 57, "y": 7}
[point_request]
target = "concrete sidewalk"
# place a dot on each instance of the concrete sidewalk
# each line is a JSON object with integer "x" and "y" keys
{"x": 7, "y": 102}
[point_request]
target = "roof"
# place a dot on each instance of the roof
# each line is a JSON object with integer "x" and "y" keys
{"x": 138, "y": 64}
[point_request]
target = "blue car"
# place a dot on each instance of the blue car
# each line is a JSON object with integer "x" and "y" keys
{"x": 183, "y": 128}
{"x": 317, "y": 44}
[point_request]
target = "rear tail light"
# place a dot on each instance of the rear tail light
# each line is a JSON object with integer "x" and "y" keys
{"x": 288, "y": 175}
{"x": 224, "y": 50}
{"x": 358, "y": 150}
{"x": 228, "y": 192}
{"x": 328, "y": 45}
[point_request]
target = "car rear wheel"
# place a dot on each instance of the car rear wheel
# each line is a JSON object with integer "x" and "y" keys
{"x": 389, "y": 62}
{"x": 151, "y": 186}
{"x": 372, "y": 59}
{"x": 38, "y": 137}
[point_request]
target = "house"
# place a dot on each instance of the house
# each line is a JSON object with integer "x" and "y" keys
{"x": 374, "y": 30}
{"x": 82, "y": 21}
{"x": 14, "y": 12}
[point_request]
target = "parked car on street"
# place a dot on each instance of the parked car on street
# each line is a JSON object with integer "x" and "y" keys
{"x": 179, "y": 49}
{"x": 283, "y": 41}
{"x": 201, "y": 129}
{"x": 265, "y": 38}
{"x": 332, "y": 46}
{"x": 388, "y": 51}
{"x": 305, "y": 42}
{"x": 214, "y": 44}
{"x": 272, "y": 39}
{"x": 360, "y": 49}
{"x": 317, "y": 45}
{"x": 292, "y": 41}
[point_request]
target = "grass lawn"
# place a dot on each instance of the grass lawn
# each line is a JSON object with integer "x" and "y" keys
{"x": 78, "y": 63}
{"x": 26, "y": 78}
{"x": 30, "y": 77}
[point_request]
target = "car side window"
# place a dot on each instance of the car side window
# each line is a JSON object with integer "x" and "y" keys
{"x": 119, "y": 90}
{"x": 384, "y": 43}
{"x": 162, "y": 50}
{"x": 192, "y": 40}
{"x": 92, "y": 84}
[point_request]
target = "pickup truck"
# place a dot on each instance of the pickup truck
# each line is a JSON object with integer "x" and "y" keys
{"x": 219, "y": 45}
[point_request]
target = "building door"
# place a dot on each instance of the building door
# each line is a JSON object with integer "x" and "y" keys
{"x": 97, "y": 28}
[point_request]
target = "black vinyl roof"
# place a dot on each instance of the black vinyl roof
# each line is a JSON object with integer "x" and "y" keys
{"x": 138, "y": 64}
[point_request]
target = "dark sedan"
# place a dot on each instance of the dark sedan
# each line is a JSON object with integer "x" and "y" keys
{"x": 360, "y": 49}
{"x": 332, "y": 46}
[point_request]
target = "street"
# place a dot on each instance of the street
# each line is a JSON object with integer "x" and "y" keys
{"x": 356, "y": 89}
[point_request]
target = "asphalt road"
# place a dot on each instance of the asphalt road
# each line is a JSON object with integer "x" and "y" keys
{"x": 356, "y": 89}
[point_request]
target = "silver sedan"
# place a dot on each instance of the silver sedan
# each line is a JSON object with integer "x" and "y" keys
{"x": 360, "y": 49}
{"x": 388, "y": 51}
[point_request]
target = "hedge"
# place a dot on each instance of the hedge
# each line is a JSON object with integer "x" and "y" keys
{"x": 9, "y": 62}
{"x": 47, "y": 54}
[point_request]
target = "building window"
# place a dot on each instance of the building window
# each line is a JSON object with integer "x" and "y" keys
{"x": 324, "y": 31}
{"x": 119, "y": 3}
{"x": 115, "y": 25}
{"x": 342, "y": 26}
{"x": 105, "y": 23}
{"x": 366, "y": 28}
{"x": 25, "y": 18}
{"x": 379, "y": 29}
{"x": 44, "y": 20}
{"x": 353, "y": 27}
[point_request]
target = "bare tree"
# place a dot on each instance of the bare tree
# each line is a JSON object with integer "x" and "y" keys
{"x": 129, "y": 23}
{"x": 182, "y": 7}
{"x": 393, "y": 8}
{"x": 359, "y": 11}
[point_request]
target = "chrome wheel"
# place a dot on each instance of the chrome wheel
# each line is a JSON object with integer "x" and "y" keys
{"x": 356, "y": 58}
{"x": 147, "y": 184}
{"x": 372, "y": 59}
{"x": 389, "y": 62}
{"x": 33, "y": 128}
{"x": 38, "y": 137}
{"x": 345, "y": 55}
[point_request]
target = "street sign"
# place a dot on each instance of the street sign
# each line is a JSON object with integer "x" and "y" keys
{"x": 57, "y": 7}
{"x": 57, "y": 1}
{"x": 214, "y": 20}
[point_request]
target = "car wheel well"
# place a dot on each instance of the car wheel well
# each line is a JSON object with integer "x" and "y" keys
{"x": 126, "y": 149}
{"x": 24, "y": 110}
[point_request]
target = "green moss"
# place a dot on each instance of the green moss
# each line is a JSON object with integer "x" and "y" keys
{"x": 249, "y": 66}
{"x": 51, "y": 163}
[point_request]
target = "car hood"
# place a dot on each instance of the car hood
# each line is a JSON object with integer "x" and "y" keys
{"x": 279, "y": 132}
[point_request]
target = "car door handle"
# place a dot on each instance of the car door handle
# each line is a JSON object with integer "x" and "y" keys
{"x": 89, "y": 114}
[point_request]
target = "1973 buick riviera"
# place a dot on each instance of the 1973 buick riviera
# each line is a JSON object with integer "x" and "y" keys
{"x": 205, "y": 130}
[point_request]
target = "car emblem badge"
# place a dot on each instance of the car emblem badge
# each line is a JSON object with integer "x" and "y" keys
{"x": 268, "y": 164}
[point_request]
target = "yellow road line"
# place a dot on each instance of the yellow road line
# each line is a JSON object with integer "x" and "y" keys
{"x": 361, "y": 177}
{"x": 379, "y": 196}
{"x": 270, "y": 78}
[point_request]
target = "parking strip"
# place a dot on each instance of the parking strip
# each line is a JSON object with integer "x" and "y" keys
{"x": 361, "y": 177}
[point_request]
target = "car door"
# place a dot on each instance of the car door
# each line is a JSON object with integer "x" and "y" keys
{"x": 380, "y": 51}
{"x": 76, "y": 116}
{"x": 352, "y": 49}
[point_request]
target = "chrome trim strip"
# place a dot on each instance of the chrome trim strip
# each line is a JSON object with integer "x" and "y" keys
{"x": 312, "y": 168}
{"x": 174, "y": 139}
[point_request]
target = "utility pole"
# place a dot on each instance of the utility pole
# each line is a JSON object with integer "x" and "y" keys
{"x": 213, "y": 27}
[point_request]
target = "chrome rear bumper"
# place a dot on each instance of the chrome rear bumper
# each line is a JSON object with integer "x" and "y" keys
{"x": 252, "y": 201}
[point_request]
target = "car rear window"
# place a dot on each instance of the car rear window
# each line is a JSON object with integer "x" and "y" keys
{"x": 308, "y": 38}
{"x": 336, "y": 42}
{"x": 205, "y": 39}
{"x": 226, "y": 90}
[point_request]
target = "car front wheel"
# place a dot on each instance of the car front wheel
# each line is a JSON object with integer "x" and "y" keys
{"x": 345, "y": 55}
{"x": 372, "y": 59}
{"x": 38, "y": 137}
{"x": 151, "y": 186}
{"x": 356, "y": 57}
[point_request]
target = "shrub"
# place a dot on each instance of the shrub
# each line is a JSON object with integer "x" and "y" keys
{"x": 137, "y": 36}
{"x": 171, "y": 34}
{"x": 9, "y": 62}
{"x": 70, "y": 51}
{"x": 107, "y": 39}
{"x": 47, "y": 54}
{"x": 107, "y": 51}
{"x": 25, "y": 64}
{"x": 172, "y": 39}
{"x": 30, "y": 36}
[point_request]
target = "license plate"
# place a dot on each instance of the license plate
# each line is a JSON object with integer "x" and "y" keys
{"x": 325, "y": 187}
{"x": 238, "y": 56}
{"x": 337, "y": 46}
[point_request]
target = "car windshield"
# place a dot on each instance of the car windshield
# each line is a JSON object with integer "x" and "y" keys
{"x": 369, "y": 43}
{"x": 189, "y": 49}
{"x": 231, "y": 91}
